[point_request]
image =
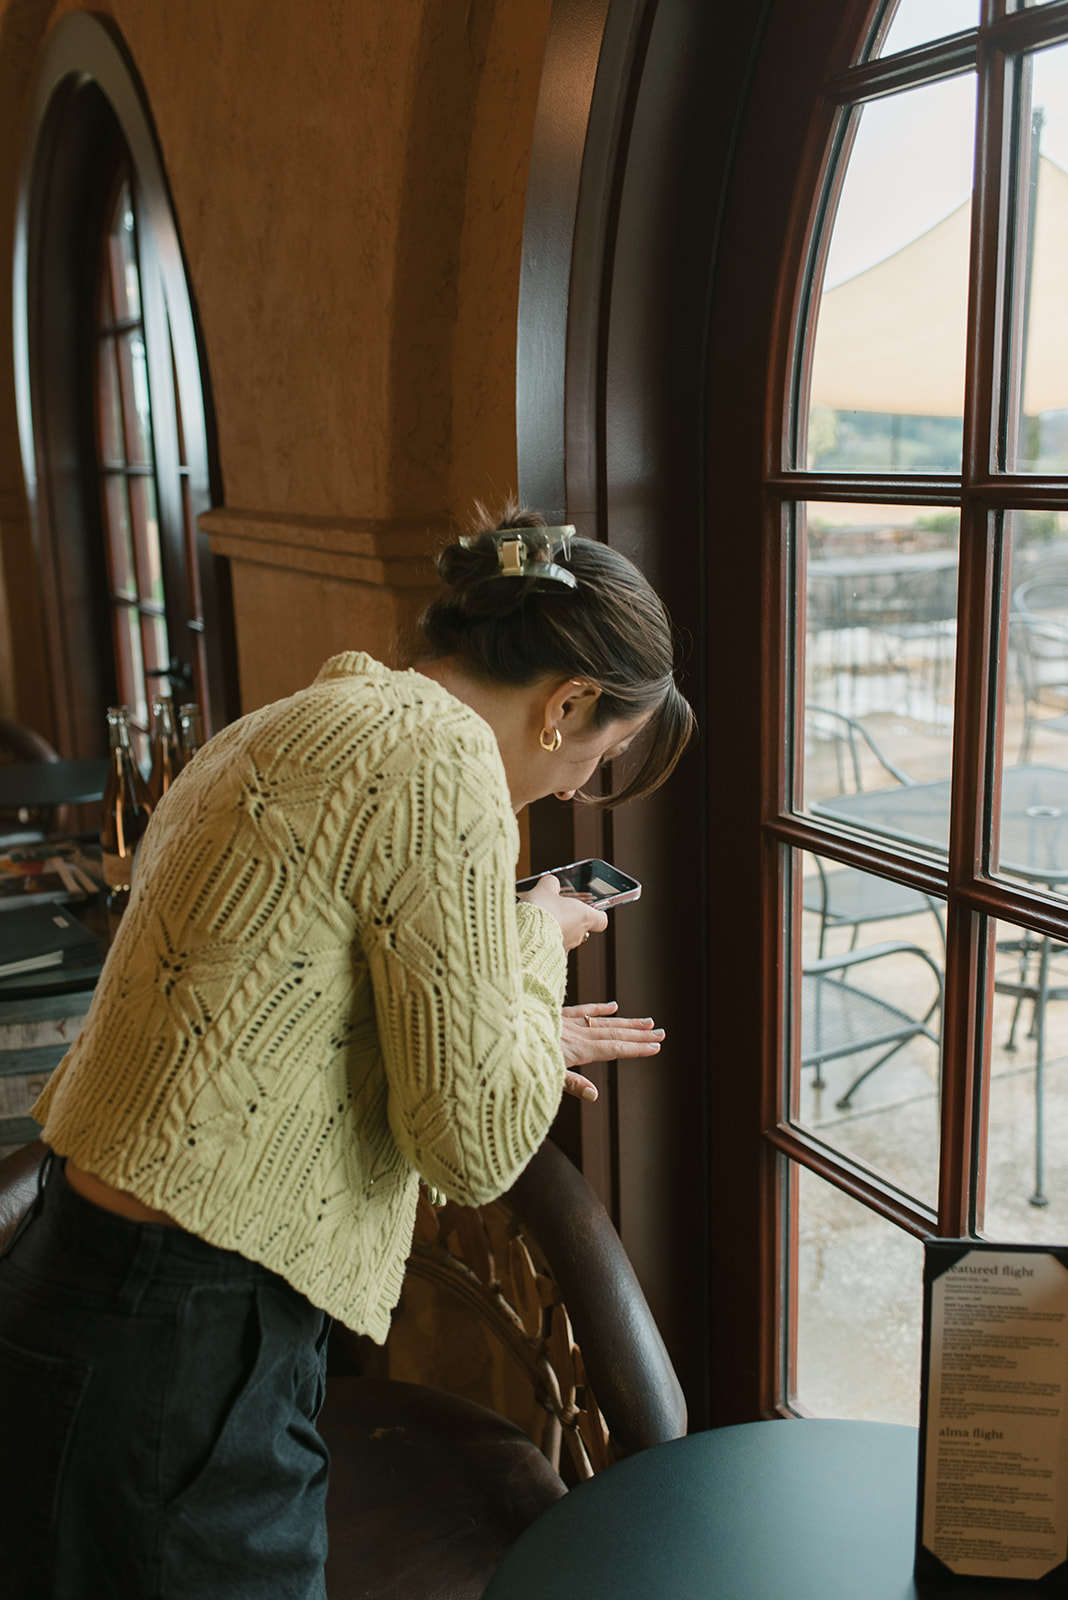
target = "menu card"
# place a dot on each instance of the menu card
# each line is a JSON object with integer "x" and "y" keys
{"x": 993, "y": 1478}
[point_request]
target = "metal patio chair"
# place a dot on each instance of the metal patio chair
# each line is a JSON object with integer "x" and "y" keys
{"x": 846, "y": 897}
{"x": 841, "y": 1018}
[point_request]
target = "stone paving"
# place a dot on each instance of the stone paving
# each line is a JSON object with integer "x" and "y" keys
{"x": 859, "y": 1277}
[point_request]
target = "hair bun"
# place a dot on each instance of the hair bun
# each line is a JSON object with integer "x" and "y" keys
{"x": 471, "y": 570}
{"x": 491, "y": 573}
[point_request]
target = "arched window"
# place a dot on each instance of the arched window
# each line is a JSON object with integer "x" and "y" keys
{"x": 113, "y": 404}
{"x": 920, "y": 479}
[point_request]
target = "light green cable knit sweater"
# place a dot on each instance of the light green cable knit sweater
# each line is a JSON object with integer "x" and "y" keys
{"x": 323, "y": 990}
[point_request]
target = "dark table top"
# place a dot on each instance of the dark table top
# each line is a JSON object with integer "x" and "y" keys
{"x": 1034, "y": 818}
{"x": 52, "y": 783}
{"x": 802, "y": 1510}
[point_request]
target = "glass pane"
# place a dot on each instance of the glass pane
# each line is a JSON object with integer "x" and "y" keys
{"x": 129, "y": 662}
{"x": 880, "y": 646}
{"x": 920, "y": 21}
{"x": 109, "y": 417}
{"x": 119, "y": 537}
{"x": 157, "y": 656}
{"x": 887, "y": 389}
{"x": 1027, "y": 1180}
{"x": 146, "y": 538}
{"x": 1034, "y": 825}
{"x": 1037, "y": 425}
{"x": 103, "y": 300}
{"x": 137, "y": 420}
{"x": 859, "y": 1298}
{"x": 872, "y": 954}
{"x": 1032, "y": 839}
{"x": 122, "y": 250}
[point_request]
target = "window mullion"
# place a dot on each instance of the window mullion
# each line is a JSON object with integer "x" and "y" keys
{"x": 963, "y": 1087}
{"x": 964, "y": 1042}
{"x": 805, "y": 834}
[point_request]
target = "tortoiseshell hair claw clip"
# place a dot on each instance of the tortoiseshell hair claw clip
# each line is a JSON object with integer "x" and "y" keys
{"x": 529, "y": 553}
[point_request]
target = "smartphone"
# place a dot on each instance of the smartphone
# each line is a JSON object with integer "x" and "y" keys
{"x": 597, "y": 882}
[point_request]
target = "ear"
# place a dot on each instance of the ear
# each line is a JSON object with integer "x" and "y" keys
{"x": 571, "y": 703}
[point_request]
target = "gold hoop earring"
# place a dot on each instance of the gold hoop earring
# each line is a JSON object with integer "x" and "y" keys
{"x": 550, "y": 742}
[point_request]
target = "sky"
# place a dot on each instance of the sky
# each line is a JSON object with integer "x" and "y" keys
{"x": 913, "y": 159}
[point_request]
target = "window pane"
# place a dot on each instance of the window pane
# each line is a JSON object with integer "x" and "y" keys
{"x": 130, "y": 667}
{"x": 872, "y": 954}
{"x": 137, "y": 421}
{"x": 126, "y": 289}
{"x": 859, "y": 1309}
{"x": 1027, "y": 1180}
{"x": 887, "y": 388}
{"x": 920, "y": 21}
{"x": 1034, "y": 825}
{"x": 146, "y": 538}
{"x": 1032, "y": 840}
{"x": 1037, "y": 424}
{"x": 157, "y": 656}
{"x": 880, "y": 646}
{"x": 109, "y": 420}
{"x": 119, "y": 537}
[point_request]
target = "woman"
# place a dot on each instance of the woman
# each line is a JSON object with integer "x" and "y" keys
{"x": 323, "y": 991}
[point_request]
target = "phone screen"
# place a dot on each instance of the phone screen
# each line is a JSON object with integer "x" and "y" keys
{"x": 597, "y": 882}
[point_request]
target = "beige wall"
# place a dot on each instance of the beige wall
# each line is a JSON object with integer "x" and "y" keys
{"x": 348, "y": 180}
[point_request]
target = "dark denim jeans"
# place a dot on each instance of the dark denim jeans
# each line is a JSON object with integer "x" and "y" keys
{"x": 157, "y": 1416}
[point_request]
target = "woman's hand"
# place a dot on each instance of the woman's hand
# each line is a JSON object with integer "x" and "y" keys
{"x": 594, "y": 1033}
{"x": 577, "y": 919}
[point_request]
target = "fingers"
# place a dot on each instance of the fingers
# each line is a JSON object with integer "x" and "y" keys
{"x": 604, "y": 1024}
{"x": 593, "y": 1012}
{"x": 580, "y": 1087}
{"x": 576, "y": 920}
{"x": 621, "y": 1025}
{"x": 618, "y": 1049}
{"x": 593, "y": 1032}
{"x": 584, "y": 1041}
{"x": 545, "y": 890}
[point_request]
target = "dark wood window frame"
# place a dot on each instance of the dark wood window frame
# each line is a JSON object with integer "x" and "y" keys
{"x": 88, "y": 110}
{"x": 975, "y": 896}
{"x": 678, "y": 156}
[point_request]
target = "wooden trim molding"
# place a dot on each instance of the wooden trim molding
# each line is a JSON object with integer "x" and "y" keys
{"x": 385, "y": 554}
{"x": 638, "y": 121}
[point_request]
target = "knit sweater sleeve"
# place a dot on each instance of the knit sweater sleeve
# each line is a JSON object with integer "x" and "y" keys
{"x": 467, "y": 985}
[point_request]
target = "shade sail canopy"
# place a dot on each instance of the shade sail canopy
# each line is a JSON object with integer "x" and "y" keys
{"x": 892, "y": 339}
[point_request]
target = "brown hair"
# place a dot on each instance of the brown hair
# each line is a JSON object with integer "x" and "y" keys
{"x": 611, "y": 628}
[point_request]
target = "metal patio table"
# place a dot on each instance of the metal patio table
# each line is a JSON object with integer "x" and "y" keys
{"x": 1033, "y": 832}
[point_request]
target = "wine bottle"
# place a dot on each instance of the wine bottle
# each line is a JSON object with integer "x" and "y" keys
{"x": 190, "y": 730}
{"x": 125, "y": 811}
{"x": 166, "y": 751}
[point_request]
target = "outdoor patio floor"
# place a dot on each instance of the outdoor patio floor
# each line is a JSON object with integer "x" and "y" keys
{"x": 860, "y": 1277}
